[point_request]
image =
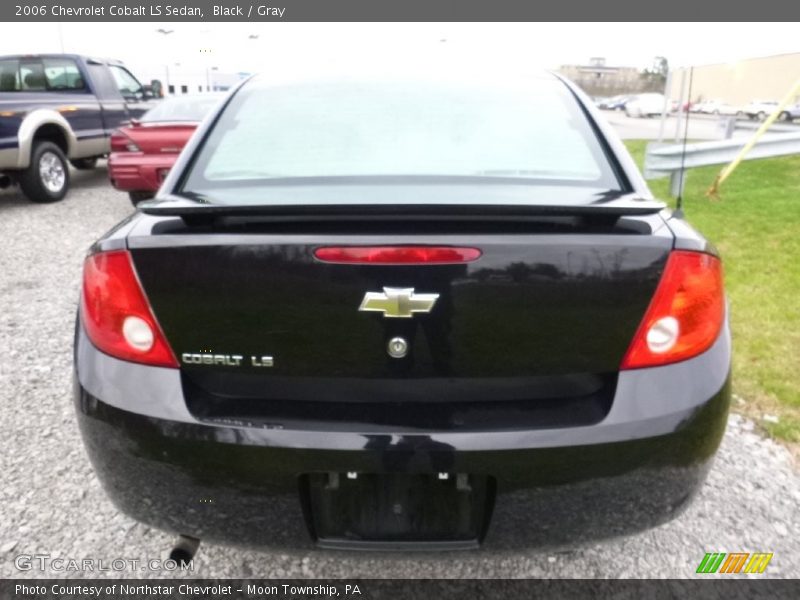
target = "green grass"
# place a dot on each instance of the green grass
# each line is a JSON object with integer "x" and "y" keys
{"x": 756, "y": 226}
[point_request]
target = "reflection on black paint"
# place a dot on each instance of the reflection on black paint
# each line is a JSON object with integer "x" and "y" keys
{"x": 516, "y": 312}
{"x": 156, "y": 471}
{"x": 412, "y": 453}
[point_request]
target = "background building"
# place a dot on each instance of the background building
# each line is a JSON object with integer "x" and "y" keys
{"x": 599, "y": 79}
{"x": 764, "y": 78}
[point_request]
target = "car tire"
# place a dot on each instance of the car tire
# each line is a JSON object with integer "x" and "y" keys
{"x": 785, "y": 117}
{"x": 137, "y": 197}
{"x": 47, "y": 177}
{"x": 84, "y": 164}
{"x": 761, "y": 116}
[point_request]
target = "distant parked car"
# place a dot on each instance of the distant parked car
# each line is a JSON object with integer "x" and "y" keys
{"x": 790, "y": 113}
{"x": 715, "y": 107}
{"x": 143, "y": 152}
{"x": 645, "y": 105}
{"x": 759, "y": 109}
{"x": 614, "y": 103}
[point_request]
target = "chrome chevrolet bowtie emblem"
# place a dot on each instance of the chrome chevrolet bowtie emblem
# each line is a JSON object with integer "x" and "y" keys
{"x": 398, "y": 303}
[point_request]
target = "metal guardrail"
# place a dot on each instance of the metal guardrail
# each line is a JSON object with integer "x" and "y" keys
{"x": 665, "y": 160}
{"x": 774, "y": 128}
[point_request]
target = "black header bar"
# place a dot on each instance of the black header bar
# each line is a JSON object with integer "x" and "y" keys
{"x": 395, "y": 10}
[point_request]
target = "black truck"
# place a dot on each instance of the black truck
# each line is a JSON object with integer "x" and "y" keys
{"x": 56, "y": 108}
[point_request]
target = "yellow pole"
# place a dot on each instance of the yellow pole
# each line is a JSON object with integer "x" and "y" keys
{"x": 713, "y": 191}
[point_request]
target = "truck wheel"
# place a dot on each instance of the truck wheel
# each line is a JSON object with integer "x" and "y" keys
{"x": 137, "y": 197}
{"x": 47, "y": 177}
{"x": 84, "y": 164}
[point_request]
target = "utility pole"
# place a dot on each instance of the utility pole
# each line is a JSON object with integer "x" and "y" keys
{"x": 165, "y": 33}
{"x": 680, "y": 105}
{"x": 665, "y": 110}
{"x": 60, "y": 37}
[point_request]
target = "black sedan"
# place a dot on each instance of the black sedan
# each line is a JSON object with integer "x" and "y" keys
{"x": 412, "y": 314}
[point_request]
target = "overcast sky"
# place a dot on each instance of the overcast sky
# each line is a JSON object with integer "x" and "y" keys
{"x": 289, "y": 46}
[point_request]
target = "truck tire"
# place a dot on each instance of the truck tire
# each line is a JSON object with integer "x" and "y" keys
{"x": 84, "y": 164}
{"x": 137, "y": 197}
{"x": 47, "y": 177}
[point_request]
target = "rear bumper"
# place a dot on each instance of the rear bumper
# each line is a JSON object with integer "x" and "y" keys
{"x": 551, "y": 487}
{"x": 138, "y": 172}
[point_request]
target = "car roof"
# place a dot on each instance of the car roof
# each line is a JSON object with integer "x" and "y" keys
{"x": 533, "y": 79}
{"x": 109, "y": 61}
{"x": 209, "y": 95}
{"x": 451, "y": 66}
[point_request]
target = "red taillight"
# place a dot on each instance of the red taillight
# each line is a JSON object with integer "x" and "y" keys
{"x": 685, "y": 315}
{"x": 116, "y": 314}
{"x": 397, "y": 255}
{"x": 123, "y": 143}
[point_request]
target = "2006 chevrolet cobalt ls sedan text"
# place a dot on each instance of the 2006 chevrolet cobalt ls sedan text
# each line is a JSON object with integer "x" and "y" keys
{"x": 411, "y": 313}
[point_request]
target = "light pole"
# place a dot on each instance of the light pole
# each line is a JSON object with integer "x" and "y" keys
{"x": 165, "y": 33}
{"x": 209, "y": 86}
{"x": 61, "y": 37}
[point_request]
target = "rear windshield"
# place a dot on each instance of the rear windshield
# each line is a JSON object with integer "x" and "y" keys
{"x": 192, "y": 108}
{"x": 280, "y": 135}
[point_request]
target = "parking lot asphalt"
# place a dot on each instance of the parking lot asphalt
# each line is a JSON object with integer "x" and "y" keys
{"x": 51, "y": 502}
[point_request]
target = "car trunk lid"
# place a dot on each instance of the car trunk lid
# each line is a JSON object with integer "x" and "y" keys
{"x": 161, "y": 138}
{"x": 545, "y": 313}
